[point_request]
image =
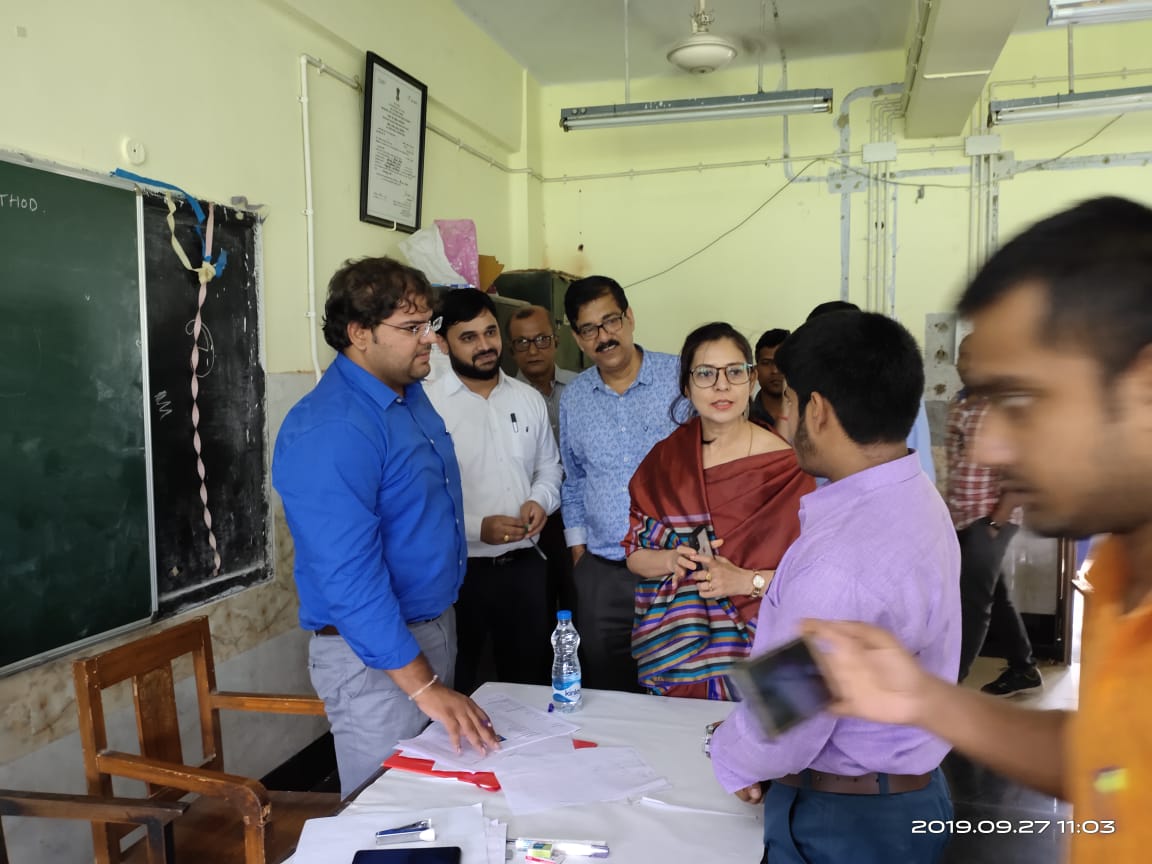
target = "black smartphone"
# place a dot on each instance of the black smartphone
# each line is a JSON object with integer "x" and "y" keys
{"x": 699, "y": 541}
{"x": 783, "y": 687}
{"x": 423, "y": 855}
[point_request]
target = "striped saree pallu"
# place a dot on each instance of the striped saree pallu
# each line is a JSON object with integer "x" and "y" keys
{"x": 679, "y": 637}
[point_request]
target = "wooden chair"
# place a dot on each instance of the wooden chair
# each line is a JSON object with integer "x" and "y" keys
{"x": 154, "y": 816}
{"x": 229, "y": 806}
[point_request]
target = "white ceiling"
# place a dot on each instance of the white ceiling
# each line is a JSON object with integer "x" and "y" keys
{"x": 566, "y": 41}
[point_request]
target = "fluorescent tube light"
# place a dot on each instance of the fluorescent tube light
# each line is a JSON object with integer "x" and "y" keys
{"x": 689, "y": 110}
{"x": 1070, "y": 105}
{"x": 1062, "y": 12}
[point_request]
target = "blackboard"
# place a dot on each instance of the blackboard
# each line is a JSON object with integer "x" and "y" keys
{"x": 74, "y": 513}
{"x": 230, "y": 383}
{"x": 102, "y": 523}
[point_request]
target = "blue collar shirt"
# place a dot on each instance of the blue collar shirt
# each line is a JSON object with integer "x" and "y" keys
{"x": 604, "y": 436}
{"x": 372, "y": 496}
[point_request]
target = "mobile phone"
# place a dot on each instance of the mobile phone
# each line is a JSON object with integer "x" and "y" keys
{"x": 699, "y": 541}
{"x": 783, "y": 687}
{"x": 420, "y": 855}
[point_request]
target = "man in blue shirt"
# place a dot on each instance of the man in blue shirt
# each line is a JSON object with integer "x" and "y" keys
{"x": 610, "y": 417}
{"x": 371, "y": 493}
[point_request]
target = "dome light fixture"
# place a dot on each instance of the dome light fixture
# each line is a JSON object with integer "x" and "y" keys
{"x": 702, "y": 52}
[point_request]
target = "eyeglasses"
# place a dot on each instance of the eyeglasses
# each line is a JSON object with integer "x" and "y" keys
{"x": 707, "y": 376}
{"x": 521, "y": 344}
{"x": 418, "y": 330}
{"x": 609, "y": 325}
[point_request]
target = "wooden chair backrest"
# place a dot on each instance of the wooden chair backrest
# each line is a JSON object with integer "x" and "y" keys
{"x": 148, "y": 664}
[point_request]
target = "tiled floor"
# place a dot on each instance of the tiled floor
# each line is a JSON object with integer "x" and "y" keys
{"x": 983, "y": 798}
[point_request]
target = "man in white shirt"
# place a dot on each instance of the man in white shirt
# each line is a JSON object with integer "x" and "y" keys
{"x": 510, "y": 472}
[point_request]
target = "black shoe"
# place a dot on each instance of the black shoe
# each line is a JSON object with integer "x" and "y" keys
{"x": 1013, "y": 681}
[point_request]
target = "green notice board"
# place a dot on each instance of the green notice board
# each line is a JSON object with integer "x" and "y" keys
{"x": 75, "y": 559}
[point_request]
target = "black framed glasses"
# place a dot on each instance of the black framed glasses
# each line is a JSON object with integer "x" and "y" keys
{"x": 521, "y": 344}
{"x": 611, "y": 324}
{"x": 706, "y": 376}
{"x": 418, "y": 330}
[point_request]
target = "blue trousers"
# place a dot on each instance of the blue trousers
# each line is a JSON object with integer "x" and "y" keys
{"x": 802, "y": 826}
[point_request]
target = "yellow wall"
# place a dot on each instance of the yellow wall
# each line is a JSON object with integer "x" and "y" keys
{"x": 211, "y": 88}
{"x": 773, "y": 269}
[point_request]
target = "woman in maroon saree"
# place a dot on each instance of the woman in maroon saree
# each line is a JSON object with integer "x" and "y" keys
{"x": 696, "y": 615}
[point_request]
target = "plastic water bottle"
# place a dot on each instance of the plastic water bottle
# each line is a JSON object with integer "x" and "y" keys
{"x": 565, "y": 665}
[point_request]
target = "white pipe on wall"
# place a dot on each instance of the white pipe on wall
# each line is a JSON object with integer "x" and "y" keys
{"x": 307, "y": 60}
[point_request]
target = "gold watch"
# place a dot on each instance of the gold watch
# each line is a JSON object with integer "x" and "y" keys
{"x": 758, "y": 583}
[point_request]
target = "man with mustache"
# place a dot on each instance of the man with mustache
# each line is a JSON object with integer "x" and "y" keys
{"x": 610, "y": 417}
{"x": 1061, "y": 350}
{"x": 372, "y": 496}
{"x": 510, "y": 470}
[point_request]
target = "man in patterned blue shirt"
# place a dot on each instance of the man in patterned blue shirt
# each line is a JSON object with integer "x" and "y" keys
{"x": 610, "y": 417}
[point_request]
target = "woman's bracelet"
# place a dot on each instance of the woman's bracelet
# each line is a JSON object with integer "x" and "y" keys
{"x": 412, "y": 697}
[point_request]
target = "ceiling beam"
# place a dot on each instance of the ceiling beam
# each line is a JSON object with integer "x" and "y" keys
{"x": 953, "y": 52}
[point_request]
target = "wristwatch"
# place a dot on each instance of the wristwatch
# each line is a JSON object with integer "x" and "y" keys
{"x": 758, "y": 583}
{"x": 709, "y": 730}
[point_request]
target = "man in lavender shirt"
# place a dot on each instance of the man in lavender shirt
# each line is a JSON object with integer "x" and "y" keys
{"x": 876, "y": 544}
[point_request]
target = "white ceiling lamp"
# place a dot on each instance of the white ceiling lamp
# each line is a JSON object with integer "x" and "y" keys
{"x": 687, "y": 110}
{"x": 1062, "y": 12}
{"x": 1069, "y": 105}
{"x": 702, "y": 52}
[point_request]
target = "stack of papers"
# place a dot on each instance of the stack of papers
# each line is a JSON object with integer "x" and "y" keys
{"x": 517, "y": 724}
{"x": 535, "y": 781}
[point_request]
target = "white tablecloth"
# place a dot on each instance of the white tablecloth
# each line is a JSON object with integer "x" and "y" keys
{"x": 704, "y": 824}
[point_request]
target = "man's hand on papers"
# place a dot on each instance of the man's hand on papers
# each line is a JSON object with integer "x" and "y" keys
{"x": 460, "y": 716}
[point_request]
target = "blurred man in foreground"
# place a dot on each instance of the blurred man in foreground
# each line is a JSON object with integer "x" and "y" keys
{"x": 1062, "y": 351}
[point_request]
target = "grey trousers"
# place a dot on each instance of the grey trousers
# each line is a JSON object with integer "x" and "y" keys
{"x": 605, "y": 607}
{"x": 367, "y": 711}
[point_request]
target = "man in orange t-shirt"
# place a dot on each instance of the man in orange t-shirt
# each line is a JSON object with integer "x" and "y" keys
{"x": 1061, "y": 350}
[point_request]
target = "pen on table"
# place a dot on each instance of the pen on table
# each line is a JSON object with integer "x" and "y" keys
{"x": 419, "y": 830}
{"x": 515, "y": 428}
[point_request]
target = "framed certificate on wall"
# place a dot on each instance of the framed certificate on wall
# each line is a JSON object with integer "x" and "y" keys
{"x": 392, "y": 160}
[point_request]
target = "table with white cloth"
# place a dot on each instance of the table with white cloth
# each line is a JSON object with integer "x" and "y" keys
{"x": 693, "y": 820}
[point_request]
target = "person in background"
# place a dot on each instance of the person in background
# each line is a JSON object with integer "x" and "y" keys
{"x": 371, "y": 493}
{"x": 611, "y": 415}
{"x": 738, "y": 481}
{"x": 534, "y": 341}
{"x": 986, "y": 519}
{"x": 1061, "y": 349}
{"x": 510, "y": 471}
{"x": 920, "y": 438}
{"x": 767, "y": 404}
{"x": 876, "y": 544}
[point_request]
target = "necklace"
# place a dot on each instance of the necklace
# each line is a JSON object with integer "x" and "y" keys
{"x": 750, "y": 431}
